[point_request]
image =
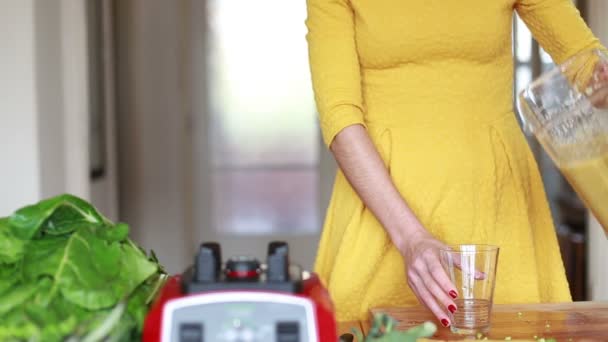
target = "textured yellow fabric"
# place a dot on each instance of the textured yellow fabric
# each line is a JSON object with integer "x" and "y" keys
{"x": 432, "y": 82}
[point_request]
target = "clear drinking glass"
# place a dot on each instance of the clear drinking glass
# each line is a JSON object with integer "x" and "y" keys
{"x": 567, "y": 110}
{"x": 472, "y": 269}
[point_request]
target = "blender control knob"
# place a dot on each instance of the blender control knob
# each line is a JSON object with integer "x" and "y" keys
{"x": 208, "y": 262}
{"x": 278, "y": 261}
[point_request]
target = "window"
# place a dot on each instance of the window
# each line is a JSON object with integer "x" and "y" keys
{"x": 529, "y": 59}
{"x": 264, "y": 134}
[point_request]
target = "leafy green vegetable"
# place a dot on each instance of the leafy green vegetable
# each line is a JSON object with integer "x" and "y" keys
{"x": 11, "y": 248}
{"x": 55, "y": 216}
{"x": 8, "y": 277}
{"x": 383, "y": 326}
{"x": 68, "y": 273}
{"x": 16, "y": 296}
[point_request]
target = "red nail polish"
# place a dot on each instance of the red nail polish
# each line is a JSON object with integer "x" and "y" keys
{"x": 453, "y": 294}
{"x": 452, "y": 308}
{"x": 445, "y": 322}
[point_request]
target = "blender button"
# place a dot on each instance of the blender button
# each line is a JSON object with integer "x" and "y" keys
{"x": 191, "y": 332}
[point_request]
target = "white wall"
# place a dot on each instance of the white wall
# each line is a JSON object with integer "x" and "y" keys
{"x": 43, "y": 112}
{"x": 19, "y": 180}
{"x": 598, "y": 241}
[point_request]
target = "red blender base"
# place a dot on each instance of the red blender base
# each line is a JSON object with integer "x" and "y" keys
{"x": 242, "y": 301}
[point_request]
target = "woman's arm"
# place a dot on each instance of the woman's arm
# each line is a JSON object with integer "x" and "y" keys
{"x": 361, "y": 164}
{"x": 562, "y": 32}
{"x": 363, "y": 167}
{"x": 336, "y": 79}
{"x": 558, "y": 27}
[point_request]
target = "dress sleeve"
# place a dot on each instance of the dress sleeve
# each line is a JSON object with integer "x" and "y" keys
{"x": 558, "y": 27}
{"x": 334, "y": 64}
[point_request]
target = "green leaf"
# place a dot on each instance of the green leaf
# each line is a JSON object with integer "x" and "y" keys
{"x": 54, "y": 216}
{"x": 117, "y": 233}
{"x": 383, "y": 330}
{"x": 59, "y": 330}
{"x": 426, "y": 329}
{"x": 105, "y": 326}
{"x": 63, "y": 270}
{"x": 26, "y": 221}
{"x": 11, "y": 248}
{"x": 9, "y": 276}
{"x": 33, "y": 321}
{"x": 13, "y": 330}
{"x": 143, "y": 296}
{"x": 106, "y": 257}
{"x": 86, "y": 270}
{"x": 44, "y": 257}
{"x": 16, "y": 296}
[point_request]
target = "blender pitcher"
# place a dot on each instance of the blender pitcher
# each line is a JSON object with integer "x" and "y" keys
{"x": 567, "y": 110}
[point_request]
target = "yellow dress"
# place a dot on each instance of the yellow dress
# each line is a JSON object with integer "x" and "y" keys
{"x": 431, "y": 80}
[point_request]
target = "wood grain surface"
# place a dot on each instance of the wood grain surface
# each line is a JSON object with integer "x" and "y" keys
{"x": 578, "y": 321}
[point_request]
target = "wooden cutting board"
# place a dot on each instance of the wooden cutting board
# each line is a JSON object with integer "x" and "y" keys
{"x": 579, "y": 321}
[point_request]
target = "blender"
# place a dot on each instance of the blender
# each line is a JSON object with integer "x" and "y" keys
{"x": 566, "y": 109}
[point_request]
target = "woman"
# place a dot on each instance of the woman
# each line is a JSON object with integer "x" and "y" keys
{"x": 415, "y": 103}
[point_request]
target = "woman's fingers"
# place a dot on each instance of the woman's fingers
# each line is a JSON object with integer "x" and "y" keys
{"x": 603, "y": 72}
{"x": 440, "y": 295}
{"x": 599, "y": 98}
{"x": 427, "y": 298}
{"x": 442, "y": 287}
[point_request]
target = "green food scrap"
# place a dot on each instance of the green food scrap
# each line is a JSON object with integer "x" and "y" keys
{"x": 383, "y": 330}
{"x": 68, "y": 273}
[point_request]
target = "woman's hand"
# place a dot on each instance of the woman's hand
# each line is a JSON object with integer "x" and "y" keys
{"x": 426, "y": 276}
{"x": 598, "y": 87}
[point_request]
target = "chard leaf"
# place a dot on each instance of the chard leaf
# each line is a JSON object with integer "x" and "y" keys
{"x": 54, "y": 216}
{"x": 35, "y": 322}
{"x": 9, "y": 276}
{"x": 16, "y": 296}
{"x": 104, "y": 328}
{"x": 143, "y": 296}
{"x": 11, "y": 248}
{"x": 117, "y": 233}
{"x": 87, "y": 284}
{"x": 44, "y": 257}
{"x": 64, "y": 268}
{"x": 86, "y": 270}
{"x": 13, "y": 330}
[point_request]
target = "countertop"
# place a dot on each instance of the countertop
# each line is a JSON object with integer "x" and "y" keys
{"x": 577, "y": 321}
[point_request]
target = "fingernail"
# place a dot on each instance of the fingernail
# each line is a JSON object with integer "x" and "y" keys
{"x": 453, "y": 294}
{"x": 445, "y": 322}
{"x": 452, "y": 308}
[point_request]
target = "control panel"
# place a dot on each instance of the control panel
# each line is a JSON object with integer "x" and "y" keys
{"x": 240, "y": 317}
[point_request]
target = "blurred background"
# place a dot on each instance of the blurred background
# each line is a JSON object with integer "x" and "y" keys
{"x": 194, "y": 120}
